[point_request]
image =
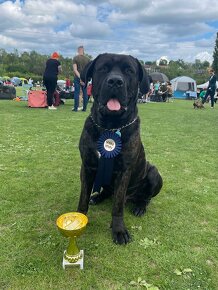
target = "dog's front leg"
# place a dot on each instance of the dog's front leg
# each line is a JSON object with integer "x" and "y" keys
{"x": 87, "y": 179}
{"x": 119, "y": 232}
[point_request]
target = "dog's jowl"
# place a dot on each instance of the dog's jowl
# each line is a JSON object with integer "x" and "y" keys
{"x": 113, "y": 157}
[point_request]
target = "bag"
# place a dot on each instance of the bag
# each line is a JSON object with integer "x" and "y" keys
{"x": 66, "y": 95}
{"x": 7, "y": 92}
{"x": 57, "y": 100}
{"x": 37, "y": 99}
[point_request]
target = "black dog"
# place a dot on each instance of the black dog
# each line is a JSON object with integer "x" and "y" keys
{"x": 116, "y": 81}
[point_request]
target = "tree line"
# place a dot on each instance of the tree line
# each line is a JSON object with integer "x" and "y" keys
{"x": 32, "y": 64}
{"x": 29, "y": 64}
{"x": 197, "y": 70}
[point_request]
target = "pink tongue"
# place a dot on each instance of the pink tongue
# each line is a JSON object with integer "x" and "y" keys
{"x": 113, "y": 105}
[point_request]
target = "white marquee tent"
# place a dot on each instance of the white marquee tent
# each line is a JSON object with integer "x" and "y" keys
{"x": 205, "y": 85}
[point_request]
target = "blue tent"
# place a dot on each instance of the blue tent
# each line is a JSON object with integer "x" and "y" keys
{"x": 15, "y": 81}
{"x": 184, "y": 87}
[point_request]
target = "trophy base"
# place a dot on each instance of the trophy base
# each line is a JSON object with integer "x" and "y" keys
{"x": 79, "y": 263}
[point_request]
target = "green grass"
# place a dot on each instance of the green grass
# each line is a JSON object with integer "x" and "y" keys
{"x": 20, "y": 91}
{"x": 39, "y": 177}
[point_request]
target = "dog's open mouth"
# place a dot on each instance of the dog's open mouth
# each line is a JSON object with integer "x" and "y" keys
{"x": 113, "y": 105}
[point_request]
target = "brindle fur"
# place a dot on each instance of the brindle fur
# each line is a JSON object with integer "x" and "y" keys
{"x": 134, "y": 178}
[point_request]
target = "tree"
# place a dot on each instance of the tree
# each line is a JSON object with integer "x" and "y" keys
{"x": 150, "y": 63}
{"x": 215, "y": 56}
{"x": 206, "y": 64}
{"x": 3, "y": 56}
{"x": 182, "y": 64}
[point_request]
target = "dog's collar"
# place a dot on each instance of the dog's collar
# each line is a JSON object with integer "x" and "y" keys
{"x": 113, "y": 129}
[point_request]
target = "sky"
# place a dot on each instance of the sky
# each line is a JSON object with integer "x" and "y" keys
{"x": 145, "y": 29}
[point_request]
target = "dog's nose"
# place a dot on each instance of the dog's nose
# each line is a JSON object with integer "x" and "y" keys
{"x": 115, "y": 81}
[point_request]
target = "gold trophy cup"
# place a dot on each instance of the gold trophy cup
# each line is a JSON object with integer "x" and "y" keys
{"x": 72, "y": 225}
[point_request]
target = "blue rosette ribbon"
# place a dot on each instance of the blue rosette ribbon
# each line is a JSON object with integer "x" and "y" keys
{"x": 109, "y": 146}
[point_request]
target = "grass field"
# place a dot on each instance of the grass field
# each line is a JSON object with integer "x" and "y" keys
{"x": 174, "y": 246}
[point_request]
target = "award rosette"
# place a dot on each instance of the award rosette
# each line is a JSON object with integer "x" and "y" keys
{"x": 109, "y": 144}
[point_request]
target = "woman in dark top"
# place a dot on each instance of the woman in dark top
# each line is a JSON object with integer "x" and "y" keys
{"x": 211, "y": 89}
{"x": 50, "y": 77}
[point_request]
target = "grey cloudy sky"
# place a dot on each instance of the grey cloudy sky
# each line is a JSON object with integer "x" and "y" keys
{"x": 142, "y": 28}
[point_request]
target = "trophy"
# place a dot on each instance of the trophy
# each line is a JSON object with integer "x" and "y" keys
{"x": 72, "y": 225}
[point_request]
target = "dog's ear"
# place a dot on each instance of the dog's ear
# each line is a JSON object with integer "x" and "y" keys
{"x": 87, "y": 72}
{"x": 144, "y": 82}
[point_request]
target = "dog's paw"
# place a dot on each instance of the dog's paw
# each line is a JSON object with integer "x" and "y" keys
{"x": 122, "y": 237}
{"x": 92, "y": 201}
{"x": 96, "y": 199}
{"x": 139, "y": 211}
{"x": 120, "y": 234}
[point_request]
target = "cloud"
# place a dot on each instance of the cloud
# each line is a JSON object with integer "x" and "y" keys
{"x": 131, "y": 5}
{"x": 94, "y": 29}
{"x": 145, "y": 29}
{"x": 5, "y": 41}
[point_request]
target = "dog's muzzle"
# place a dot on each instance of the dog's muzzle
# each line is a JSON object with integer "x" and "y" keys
{"x": 115, "y": 82}
{"x": 114, "y": 94}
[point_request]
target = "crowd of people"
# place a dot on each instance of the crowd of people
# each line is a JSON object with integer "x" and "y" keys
{"x": 50, "y": 78}
{"x": 159, "y": 92}
{"x": 82, "y": 94}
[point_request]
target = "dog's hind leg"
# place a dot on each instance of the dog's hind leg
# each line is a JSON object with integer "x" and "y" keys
{"x": 149, "y": 188}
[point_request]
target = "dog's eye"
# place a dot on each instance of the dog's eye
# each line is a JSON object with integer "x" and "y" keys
{"x": 128, "y": 70}
{"x": 103, "y": 69}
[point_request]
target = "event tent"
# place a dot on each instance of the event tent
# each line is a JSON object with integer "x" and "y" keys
{"x": 184, "y": 86}
{"x": 205, "y": 85}
{"x": 15, "y": 81}
{"x": 23, "y": 81}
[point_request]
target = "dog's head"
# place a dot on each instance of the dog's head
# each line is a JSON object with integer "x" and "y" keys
{"x": 116, "y": 81}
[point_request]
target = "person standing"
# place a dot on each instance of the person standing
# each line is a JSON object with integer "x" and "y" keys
{"x": 79, "y": 62}
{"x": 211, "y": 89}
{"x": 156, "y": 90}
{"x": 50, "y": 77}
{"x": 169, "y": 91}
